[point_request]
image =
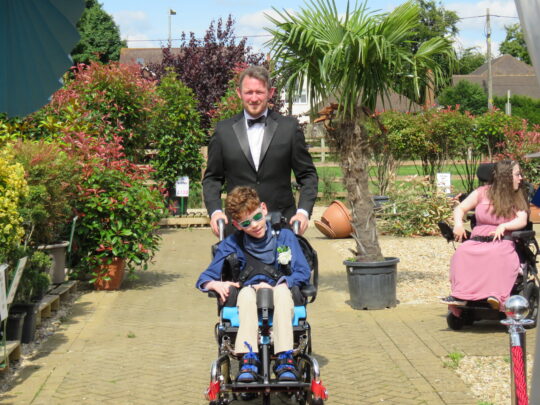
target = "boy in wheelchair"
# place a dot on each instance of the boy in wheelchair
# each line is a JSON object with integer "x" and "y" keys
{"x": 267, "y": 261}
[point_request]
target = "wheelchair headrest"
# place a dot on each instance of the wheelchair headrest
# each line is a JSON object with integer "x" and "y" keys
{"x": 485, "y": 172}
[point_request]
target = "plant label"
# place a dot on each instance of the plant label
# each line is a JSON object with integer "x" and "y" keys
{"x": 182, "y": 186}
{"x": 3, "y": 300}
{"x": 444, "y": 182}
{"x": 15, "y": 283}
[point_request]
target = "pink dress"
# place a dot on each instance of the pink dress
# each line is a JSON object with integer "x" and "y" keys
{"x": 482, "y": 269}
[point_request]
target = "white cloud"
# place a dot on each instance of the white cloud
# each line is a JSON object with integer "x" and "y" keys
{"x": 253, "y": 26}
{"x": 466, "y": 10}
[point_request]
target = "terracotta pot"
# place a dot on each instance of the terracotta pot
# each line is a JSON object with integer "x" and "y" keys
{"x": 535, "y": 214}
{"x": 114, "y": 271}
{"x": 335, "y": 221}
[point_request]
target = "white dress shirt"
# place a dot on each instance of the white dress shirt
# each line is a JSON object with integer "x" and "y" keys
{"x": 255, "y": 135}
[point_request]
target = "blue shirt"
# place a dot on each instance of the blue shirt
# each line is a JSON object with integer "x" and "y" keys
{"x": 300, "y": 271}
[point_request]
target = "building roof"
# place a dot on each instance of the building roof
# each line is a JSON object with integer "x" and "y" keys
{"x": 508, "y": 73}
{"x": 143, "y": 56}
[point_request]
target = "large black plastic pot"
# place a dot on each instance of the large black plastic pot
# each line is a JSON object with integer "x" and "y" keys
{"x": 30, "y": 312}
{"x": 372, "y": 285}
{"x": 14, "y": 327}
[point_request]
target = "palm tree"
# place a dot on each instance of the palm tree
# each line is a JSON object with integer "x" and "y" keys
{"x": 355, "y": 59}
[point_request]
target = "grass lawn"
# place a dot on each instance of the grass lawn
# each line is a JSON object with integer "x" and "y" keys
{"x": 329, "y": 177}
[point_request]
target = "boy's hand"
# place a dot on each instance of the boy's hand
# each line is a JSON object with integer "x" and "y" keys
{"x": 221, "y": 287}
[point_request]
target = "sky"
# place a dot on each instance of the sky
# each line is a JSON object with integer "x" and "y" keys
{"x": 145, "y": 24}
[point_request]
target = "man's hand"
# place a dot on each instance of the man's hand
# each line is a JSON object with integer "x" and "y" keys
{"x": 221, "y": 287}
{"x": 262, "y": 285}
{"x": 214, "y": 221}
{"x": 304, "y": 222}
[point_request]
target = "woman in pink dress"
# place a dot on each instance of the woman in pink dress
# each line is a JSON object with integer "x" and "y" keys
{"x": 486, "y": 266}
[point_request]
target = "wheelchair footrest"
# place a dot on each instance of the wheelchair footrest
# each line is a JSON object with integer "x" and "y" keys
{"x": 272, "y": 386}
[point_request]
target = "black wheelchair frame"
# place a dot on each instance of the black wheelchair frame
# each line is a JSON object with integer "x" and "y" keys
{"x": 223, "y": 389}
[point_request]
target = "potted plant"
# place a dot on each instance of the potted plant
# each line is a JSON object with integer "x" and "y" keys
{"x": 32, "y": 286}
{"x": 118, "y": 224}
{"x": 365, "y": 58}
{"x": 48, "y": 209}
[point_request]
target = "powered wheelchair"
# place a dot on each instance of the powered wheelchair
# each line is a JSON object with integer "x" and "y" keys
{"x": 223, "y": 388}
{"x": 526, "y": 283}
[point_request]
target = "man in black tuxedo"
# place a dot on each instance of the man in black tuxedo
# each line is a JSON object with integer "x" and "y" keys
{"x": 259, "y": 148}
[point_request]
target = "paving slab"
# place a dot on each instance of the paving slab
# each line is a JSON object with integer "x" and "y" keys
{"x": 152, "y": 342}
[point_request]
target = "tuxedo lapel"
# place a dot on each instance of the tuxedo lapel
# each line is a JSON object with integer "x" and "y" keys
{"x": 239, "y": 128}
{"x": 269, "y": 132}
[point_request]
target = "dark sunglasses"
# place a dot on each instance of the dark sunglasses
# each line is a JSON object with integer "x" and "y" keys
{"x": 255, "y": 218}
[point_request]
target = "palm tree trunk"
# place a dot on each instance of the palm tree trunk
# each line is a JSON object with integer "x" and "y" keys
{"x": 351, "y": 142}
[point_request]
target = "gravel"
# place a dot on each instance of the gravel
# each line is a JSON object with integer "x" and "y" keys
{"x": 422, "y": 279}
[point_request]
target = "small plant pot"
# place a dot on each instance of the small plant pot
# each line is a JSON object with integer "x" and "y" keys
{"x": 110, "y": 275}
{"x": 30, "y": 312}
{"x": 14, "y": 327}
{"x": 335, "y": 221}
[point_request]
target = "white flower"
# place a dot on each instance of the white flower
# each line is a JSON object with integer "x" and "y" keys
{"x": 284, "y": 257}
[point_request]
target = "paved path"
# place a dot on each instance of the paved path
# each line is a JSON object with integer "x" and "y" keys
{"x": 152, "y": 342}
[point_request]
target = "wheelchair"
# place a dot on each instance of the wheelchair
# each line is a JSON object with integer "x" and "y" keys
{"x": 223, "y": 388}
{"x": 526, "y": 283}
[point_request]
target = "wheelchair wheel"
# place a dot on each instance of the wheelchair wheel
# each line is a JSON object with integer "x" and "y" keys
{"x": 454, "y": 322}
{"x": 531, "y": 293}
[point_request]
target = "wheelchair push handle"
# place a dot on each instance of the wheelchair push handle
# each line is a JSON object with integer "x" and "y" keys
{"x": 296, "y": 227}
{"x": 221, "y": 229}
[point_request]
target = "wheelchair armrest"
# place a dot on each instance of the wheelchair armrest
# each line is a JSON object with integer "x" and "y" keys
{"x": 448, "y": 233}
{"x": 523, "y": 235}
{"x": 308, "y": 290}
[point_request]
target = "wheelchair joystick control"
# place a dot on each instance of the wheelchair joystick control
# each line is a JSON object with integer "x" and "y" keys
{"x": 221, "y": 228}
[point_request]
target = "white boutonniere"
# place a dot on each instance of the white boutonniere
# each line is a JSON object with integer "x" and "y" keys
{"x": 284, "y": 255}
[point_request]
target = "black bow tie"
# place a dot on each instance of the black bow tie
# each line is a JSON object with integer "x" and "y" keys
{"x": 260, "y": 120}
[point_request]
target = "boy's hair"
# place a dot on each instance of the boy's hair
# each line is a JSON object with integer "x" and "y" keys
{"x": 255, "y": 72}
{"x": 240, "y": 201}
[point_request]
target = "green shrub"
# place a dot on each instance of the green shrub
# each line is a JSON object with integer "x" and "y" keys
{"x": 13, "y": 190}
{"x": 118, "y": 213}
{"x": 491, "y": 128}
{"x": 414, "y": 209}
{"x": 118, "y": 218}
{"x": 522, "y": 106}
{"x": 52, "y": 179}
{"x": 35, "y": 279}
{"x": 178, "y": 137}
{"x": 111, "y": 100}
{"x": 519, "y": 143}
{"x": 466, "y": 96}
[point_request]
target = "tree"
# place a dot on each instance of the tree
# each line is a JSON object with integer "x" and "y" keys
{"x": 514, "y": 43}
{"x": 435, "y": 21}
{"x": 355, "y": 59}
{"x": 469, "y": 60}
{"x": 100, "y": 36}
{"x": 207, "y": 65}
{"x": 468, "y": 96}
